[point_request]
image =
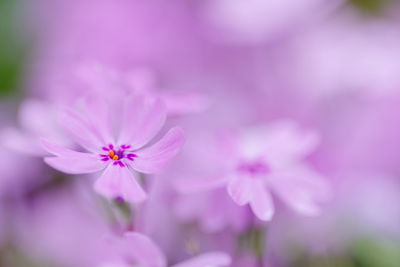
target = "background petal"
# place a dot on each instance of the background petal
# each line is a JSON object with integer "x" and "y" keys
{"x": 239, "y": 188}
{"x": 280, "y": 143}
{"x": 261, "y": 201}
{"x": 300, "y": 188}
{"x": 144, "y": 251}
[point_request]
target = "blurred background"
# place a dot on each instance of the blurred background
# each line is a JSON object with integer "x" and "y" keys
{"x": 333, "y": 66}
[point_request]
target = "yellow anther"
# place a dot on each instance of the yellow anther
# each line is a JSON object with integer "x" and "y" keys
{"x": 115, "y": 157}
{"x": 112, "y": 154}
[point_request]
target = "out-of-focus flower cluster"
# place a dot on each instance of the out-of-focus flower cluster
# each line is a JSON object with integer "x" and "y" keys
{"x": 200, "y": 133}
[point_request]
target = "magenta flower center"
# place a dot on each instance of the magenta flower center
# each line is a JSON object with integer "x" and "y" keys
{"x": 117, "y": 154}
{"x": 254, "y": 168}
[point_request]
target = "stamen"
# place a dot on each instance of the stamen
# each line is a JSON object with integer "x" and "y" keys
{"x": 131, "y": 156}
{"x": 111, "y": 154}
{"x": 115, "y": 157}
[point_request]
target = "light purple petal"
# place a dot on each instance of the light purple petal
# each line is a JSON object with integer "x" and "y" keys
{"x": 297, "y": 199}
{"x": 70, "y": 161}
{"x": 119, "y": 182}
{"x": 142, "y": 120}
{"x": 302, "y": 176}
{"x": 280, "y": 143}
{"x": 59, "y": 150}
{"x": 217, "y": 259}
{"x": 300, "y": 188}
{"x": 98, "y": 114}
{"x": 289, "y": 143}
{"x": 81, "y": 130}
{"x": 261, "y": 201}
{"x": 79, "y": 164}
{"x": 152, "y": 159}
{"x": 239, "y": 188}
{"x": 144, "y": 251}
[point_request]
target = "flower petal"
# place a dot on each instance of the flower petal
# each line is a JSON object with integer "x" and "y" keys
{"x": 239, "y": 188}
{"x": 82, "y": 131}
{"x": 290, "y": 143}
{"x": 299, "y": 200}
{"x": 142, "y": 120}
{"x": 216, "y": 259}
{"x": 59, "y": 150}
{"x": 116, "y": 182}
{"x": 98, "y": 114}
{"x": 300, "y": 188}
{"x": 281, "y": 143}
{"x": 152, "y": 159}
{"x": 79, "y": 164}
{"x": 70, "y": 161}
{"x": 261, "y": 201}
{"x": 144, "y": 251}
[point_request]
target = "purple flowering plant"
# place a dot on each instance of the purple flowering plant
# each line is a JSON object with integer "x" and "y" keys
{"x": 199, "y": 133}
{"x": 141, "y": 119}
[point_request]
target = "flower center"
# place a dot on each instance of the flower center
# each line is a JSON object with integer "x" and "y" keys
{"x": 112, "y": 155}
{"x": 254, "y": 168}
{"x": 116, "y": 154}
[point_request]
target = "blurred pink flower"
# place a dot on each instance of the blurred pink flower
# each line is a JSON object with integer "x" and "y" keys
{"x": 141, "y": 80}
{"x": 37, "y": 119}
{"x": 141, "y": 250}
{"x": 264, "y": 159}
{"x": 141, "y": 119}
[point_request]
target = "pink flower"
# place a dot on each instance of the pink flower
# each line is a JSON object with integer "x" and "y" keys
{"x": 267, "y": 159}
{"x": 142, "y": 251}
{"x": 140, "y": 120}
